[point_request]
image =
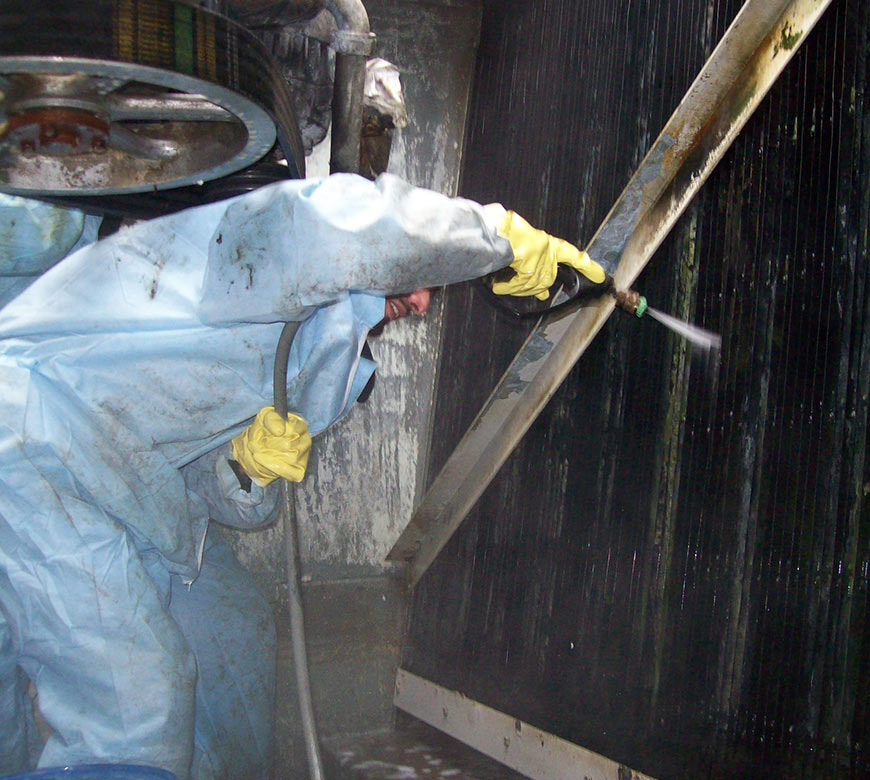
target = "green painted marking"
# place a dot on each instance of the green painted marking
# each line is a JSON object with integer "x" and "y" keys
{"x": 183, "y": 38}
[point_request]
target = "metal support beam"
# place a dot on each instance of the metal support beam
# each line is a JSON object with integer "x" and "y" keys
{"x": 536, "y": 754}
{"x": 747, "y": 61}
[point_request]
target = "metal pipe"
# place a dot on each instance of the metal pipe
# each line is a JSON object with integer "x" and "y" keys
{"x": 747, "y": 61}
{"x": 269, "y": 13}
{"x": 352, "y": 43}
{"x": 350, "y": 15}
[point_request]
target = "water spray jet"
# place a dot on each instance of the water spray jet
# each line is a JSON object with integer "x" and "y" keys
{"x": 632, "y": 302}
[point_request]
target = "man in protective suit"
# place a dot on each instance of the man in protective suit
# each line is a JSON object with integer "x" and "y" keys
{"x": 130, "y": 373}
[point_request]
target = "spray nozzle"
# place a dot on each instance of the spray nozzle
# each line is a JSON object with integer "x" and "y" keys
{"x": 634, "y": 303}
{"x": 631, "y": 301}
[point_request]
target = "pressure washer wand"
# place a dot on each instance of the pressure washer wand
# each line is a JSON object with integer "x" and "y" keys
{"x": 573, "y": 288}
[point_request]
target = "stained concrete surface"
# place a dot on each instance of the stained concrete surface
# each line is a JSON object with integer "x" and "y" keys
{"x": 355, "y": 628}
{"x": 367, "y": 471}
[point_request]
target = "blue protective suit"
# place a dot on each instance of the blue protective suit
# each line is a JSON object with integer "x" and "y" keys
{"x": 125, "y": 369}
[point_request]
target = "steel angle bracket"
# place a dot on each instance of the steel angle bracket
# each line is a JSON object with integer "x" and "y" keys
{"x": 760, "y": 42}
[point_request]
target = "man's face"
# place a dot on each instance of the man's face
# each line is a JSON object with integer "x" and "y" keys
{"x": 398, "y": 306}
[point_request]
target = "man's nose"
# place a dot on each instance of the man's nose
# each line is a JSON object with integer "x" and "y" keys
{"x": 418, "y": 301}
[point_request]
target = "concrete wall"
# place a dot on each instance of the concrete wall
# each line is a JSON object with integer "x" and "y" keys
{"x": 366, "y": 472}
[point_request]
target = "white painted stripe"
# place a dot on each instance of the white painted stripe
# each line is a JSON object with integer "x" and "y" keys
{"x": 537, "y": 754}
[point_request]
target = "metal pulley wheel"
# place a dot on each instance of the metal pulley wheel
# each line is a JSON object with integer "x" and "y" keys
{"x": 111, "y": 97}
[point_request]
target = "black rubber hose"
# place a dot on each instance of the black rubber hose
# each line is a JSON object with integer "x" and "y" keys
{"x": 294, "y": 571}
{"x": 279, "y": 374}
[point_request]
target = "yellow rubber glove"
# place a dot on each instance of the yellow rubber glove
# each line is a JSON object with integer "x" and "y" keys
{"x": 536, "y": 257}
{"x": 271, "y": 447}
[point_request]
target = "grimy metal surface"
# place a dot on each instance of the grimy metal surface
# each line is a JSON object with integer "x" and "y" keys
{"x": 753, "y": 52}
{"x": 537, "y": 754}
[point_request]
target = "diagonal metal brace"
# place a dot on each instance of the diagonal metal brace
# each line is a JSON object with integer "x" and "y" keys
{"x": 757, "y": 46}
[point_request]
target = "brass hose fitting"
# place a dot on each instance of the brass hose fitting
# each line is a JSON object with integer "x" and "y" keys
{"x": 631, "y": 301}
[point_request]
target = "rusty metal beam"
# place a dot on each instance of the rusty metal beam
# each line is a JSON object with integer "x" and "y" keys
{"x": 758, "y": 45}
{"x": 537, "y": 754}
